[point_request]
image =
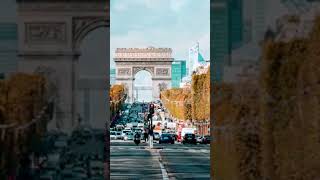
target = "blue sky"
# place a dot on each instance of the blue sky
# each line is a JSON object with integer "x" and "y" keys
{"x": 176, "y": 24}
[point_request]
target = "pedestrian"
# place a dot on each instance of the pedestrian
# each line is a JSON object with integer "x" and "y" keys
{"x": 145, "y": 136}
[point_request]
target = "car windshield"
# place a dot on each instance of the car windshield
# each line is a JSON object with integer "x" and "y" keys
{"x": 112, "y": 133}
{"x": 189, "y": 135}
{"x": 165, "y": 135}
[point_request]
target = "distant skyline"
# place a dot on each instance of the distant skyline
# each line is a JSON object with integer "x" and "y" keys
{"x": 176, "y": 24}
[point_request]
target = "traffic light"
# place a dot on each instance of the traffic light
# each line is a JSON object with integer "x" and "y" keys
{"x": 151, "y": 109}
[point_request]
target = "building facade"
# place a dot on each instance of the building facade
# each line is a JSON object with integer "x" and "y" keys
{"x": 8, "y": 49}
{"x": 258, "y": 20}
{"x": 178, "y": 71}
{"x": 236, "y": 23}
{"x": 112, "y": 76}
{"x": 226, "y": 33}
{"x": 195, "y": 59}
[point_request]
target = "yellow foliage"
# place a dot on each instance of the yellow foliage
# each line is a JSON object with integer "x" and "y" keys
{"x": 186, "y": 104}
{"x": 270, "y": 129}
{"x": 22, "y": 96}
{"x": 200, "y": 92}
{"x": 117, "y": 94}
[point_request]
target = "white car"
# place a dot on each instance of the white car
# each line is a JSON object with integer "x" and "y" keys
{"x": 124, "y": 132}
{"x": 118, "y": 135}
{"x": 113, "y": 135}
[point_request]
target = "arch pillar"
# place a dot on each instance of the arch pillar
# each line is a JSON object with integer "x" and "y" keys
{"x": 49, "y": 36}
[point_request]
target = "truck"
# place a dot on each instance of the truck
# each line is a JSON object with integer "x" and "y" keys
{"x": 184, "y": 131}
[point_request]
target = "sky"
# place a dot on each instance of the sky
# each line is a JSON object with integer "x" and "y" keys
{"x": 161, "y": 23}
{"x": 176, "y": 24}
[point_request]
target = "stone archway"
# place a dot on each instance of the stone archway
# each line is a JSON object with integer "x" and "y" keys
{"x": 157, "y": 61}
{"x": 142, "y": 86}
{"x": 50, "y": 34}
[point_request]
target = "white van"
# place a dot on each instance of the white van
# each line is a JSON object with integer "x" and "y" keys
{"x": 188, "y": 130}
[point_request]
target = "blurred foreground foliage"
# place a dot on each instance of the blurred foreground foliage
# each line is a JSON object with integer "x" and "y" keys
{"x": 22, "y": 97}
{"x": 270, "y": 128}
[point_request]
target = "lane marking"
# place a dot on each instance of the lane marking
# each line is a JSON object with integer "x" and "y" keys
{"x": 163, "y": 169}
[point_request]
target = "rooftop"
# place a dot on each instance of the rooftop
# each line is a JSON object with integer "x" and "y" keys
{"x": 140, "y": 50}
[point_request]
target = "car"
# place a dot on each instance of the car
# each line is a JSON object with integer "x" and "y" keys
{"x": 189, "y": 138}
{"x": 156, "y": 136}
{"x": 113, "y": 135}
{"x": 128, "y": 136}
{"x": 199, "y": 138}
{"x": 166, "y": 138}
{"x": 60, "y": 144}
{"x": 174, "y": 136}
{"x": 118, "y": 135}
{"x": 124, "y": 133}
{"x": 206, "y": 140}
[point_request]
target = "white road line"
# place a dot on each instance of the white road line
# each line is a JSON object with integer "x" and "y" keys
{"x": 163, "y": 169}
{"x": 156, "y": 155}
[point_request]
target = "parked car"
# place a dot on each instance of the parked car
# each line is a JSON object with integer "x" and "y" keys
{"x": 125, "y": 132}
{"x": 118, "y": 135}
{"x": 199, "y": 138}
{"x": 128, "y": 136}
{"x": 166, "y": 138}
{"x": 205, "y": 140}
{"x": 189, "y": 138}
{"x": 113, "y": 135}
{"x": 174, "y": 136}
{"x": 156, "y": 136}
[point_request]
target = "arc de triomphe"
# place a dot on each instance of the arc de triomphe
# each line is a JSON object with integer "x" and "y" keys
{"x": 50, "y": 34}
{"x": 157, "y": 61}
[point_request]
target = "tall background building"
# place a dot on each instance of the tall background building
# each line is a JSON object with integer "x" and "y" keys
{"x": 226, "y": 33}
{"x": 178, "y": 71}
{"x": 258, "y": 20}
{"x": 112, "y": 76}
{"x": 236, "y": 23}
{"x": 195, "y": 59}
{"x": 8, "y": 49}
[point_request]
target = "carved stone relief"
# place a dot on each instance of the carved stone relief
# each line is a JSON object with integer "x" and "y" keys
{"x": 81, "y": 23}
{"x": 124, "y": 71}
{"x": 162, "y": 71}
{"x": 168, "y": 63}
{"x": 46, "y": 32}
{"x": 137, "y": 69}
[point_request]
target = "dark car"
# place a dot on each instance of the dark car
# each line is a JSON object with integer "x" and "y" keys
{"x": 205, "y": 140}
{"x": 189, "y": 138}
{"x": 156, "y": 136}
{"x": 166, "y": 138}
{"x": 174, "y": 136}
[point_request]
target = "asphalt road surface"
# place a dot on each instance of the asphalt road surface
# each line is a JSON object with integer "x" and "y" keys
{"x": 165, "y": 161}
